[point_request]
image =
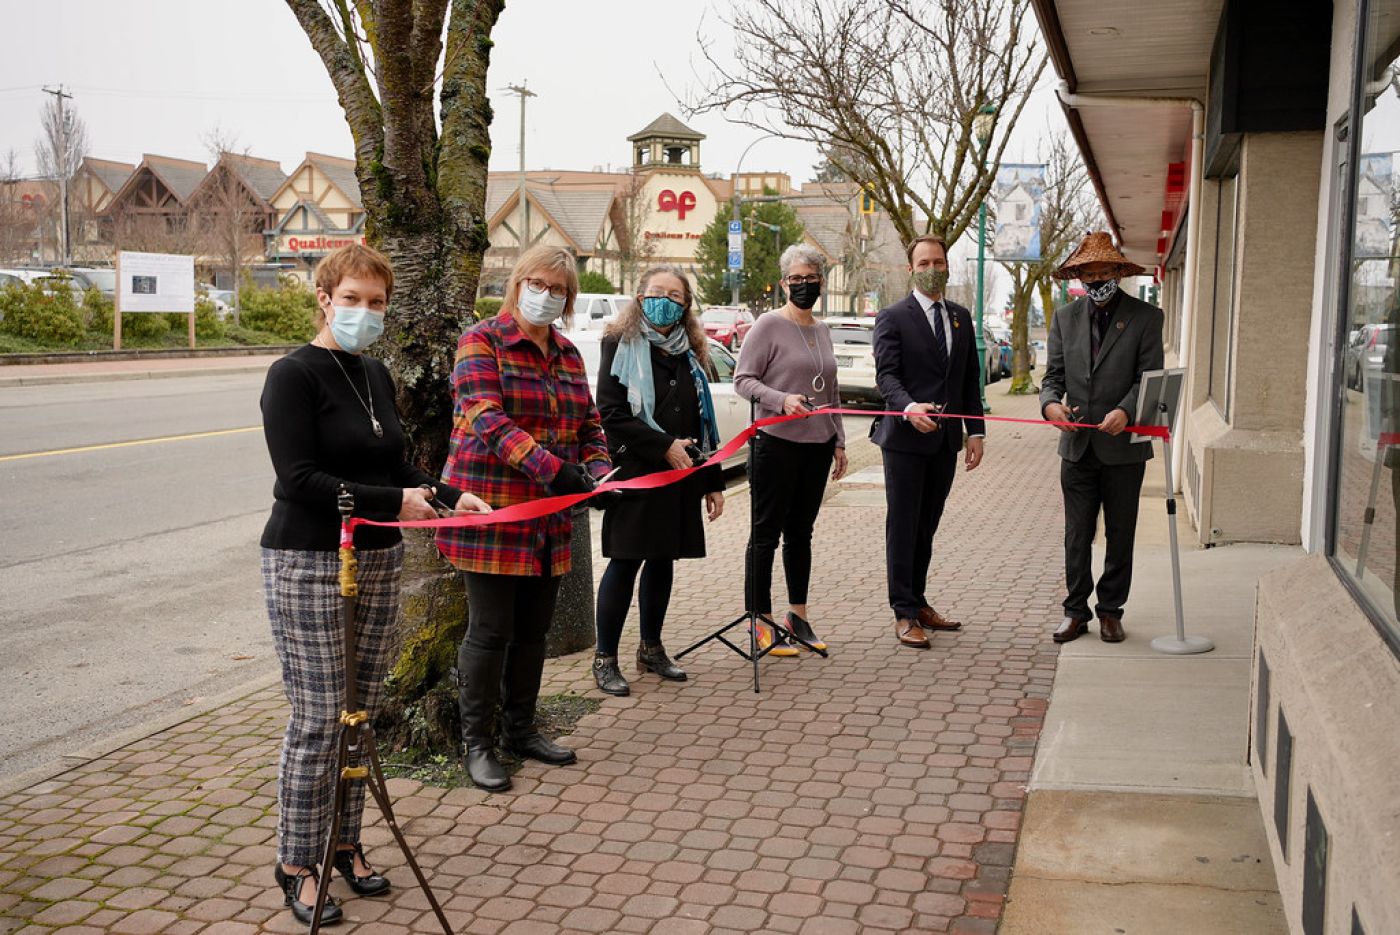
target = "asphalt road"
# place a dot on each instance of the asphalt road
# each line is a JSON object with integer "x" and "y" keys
{"x": 129, "y": 580}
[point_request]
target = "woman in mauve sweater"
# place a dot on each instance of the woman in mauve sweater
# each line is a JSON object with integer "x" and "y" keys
{"x": 787, "y": 366}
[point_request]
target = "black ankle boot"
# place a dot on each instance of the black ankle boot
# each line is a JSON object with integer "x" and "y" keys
{"x": 291, "y": 893}
{"x": 478, "y": 688}
{"x": 609, "y": 677}
{"x": 371, "y": 884}
{"x": 538, "y": 747}
{"x": 651, "y": 657}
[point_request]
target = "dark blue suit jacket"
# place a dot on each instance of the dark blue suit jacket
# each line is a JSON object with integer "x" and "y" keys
{"x": 905, "y": 373}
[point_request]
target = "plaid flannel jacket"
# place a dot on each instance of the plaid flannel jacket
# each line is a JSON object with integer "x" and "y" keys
{"x": 518, "y": 417}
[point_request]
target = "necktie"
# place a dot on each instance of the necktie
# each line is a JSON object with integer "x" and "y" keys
{"x": 1097, "y": 330}
{"x": 940, "y": 339}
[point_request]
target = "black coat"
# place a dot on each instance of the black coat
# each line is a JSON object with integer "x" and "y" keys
{"x": 668, "y": 522}
{"x": 904, "y": 370}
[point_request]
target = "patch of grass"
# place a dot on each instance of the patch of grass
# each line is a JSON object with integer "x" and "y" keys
{"x": 555, "y": 716}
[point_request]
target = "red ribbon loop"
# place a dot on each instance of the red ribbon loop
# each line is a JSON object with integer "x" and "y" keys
{"x": 535, "y": 509}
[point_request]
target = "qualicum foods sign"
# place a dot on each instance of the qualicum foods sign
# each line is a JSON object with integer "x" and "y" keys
{"x": 317, "y": 244}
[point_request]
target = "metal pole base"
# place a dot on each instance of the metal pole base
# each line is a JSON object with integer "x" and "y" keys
{"x": 1185, "y": 646}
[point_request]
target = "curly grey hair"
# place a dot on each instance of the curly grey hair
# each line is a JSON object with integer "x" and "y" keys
{"x": 801, "y": 254}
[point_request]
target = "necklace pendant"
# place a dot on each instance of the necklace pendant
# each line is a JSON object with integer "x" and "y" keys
{"x": 378, "y": 429}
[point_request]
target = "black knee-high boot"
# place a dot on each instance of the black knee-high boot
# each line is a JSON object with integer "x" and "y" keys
{"x": 520, "y": 693}
{"x": 478, "y": 691}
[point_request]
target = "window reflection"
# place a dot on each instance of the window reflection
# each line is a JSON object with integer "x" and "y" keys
{"x": 1368, "y": 483}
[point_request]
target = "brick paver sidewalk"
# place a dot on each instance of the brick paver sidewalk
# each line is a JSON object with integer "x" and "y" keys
{"x": 876, "y": 791}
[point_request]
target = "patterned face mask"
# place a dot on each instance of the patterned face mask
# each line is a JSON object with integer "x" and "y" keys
{"x": 1101, "y": 290}
{"x": 930, "y": 282}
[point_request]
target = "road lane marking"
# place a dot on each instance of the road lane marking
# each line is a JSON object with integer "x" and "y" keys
{"x": 140, "y": 441}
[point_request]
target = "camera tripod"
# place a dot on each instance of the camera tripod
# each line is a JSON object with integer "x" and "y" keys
{"x": 356, "y": 736}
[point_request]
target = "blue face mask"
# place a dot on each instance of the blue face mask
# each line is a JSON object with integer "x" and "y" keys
{"x": 661, "y": 311}
{"x": 355, "y": 329}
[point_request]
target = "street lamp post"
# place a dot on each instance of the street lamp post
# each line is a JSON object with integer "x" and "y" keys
{"x": 982, "y": 124}
{"x": 734, "y": 216}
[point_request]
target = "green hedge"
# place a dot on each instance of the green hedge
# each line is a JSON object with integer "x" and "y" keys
{"x": 52, "y": 319}
{"x": 288, "y": 311}
{"x": 486, "y": 307}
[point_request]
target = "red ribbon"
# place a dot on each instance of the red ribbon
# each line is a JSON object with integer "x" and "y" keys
{"x": 535, "y": 509}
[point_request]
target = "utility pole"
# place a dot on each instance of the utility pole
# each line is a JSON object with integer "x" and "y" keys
{"x": 523, "y": 92}
{"x": 63, "y": 157}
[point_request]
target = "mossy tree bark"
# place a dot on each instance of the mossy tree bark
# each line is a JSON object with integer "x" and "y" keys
{"x": 398, "y": 66}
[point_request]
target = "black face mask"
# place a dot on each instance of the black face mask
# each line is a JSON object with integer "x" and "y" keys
{"x": 804, "y": 294}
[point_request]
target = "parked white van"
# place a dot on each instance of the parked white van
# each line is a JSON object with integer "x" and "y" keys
{"x": 592, "y": 309}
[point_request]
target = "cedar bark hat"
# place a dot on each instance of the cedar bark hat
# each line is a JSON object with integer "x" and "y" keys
{"x": 1097, "y": 248}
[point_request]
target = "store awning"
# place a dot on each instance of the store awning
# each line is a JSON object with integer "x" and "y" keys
{"x": 1134, "y": 49}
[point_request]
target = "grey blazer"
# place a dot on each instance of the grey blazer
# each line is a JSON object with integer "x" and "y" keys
{"x": 1132, "y": 345}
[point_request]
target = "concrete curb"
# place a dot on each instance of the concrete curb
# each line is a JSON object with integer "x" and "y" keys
{"x": 49, "y": 379}
{"x": 122, "y": 738}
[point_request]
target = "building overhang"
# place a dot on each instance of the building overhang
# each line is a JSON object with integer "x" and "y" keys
{"x": 1146, "y": 60}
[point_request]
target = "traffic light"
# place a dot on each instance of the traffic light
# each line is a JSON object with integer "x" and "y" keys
{"x": 867, "y": 199}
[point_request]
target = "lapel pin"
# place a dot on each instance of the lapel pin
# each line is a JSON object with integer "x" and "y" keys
{"x": 1121, "y": 326}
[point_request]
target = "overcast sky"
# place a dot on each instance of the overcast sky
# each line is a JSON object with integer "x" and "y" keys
{"x": 156, "y": 76}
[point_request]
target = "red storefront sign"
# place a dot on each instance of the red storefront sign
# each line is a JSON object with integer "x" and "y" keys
{"x": 668, "y": 200}
{"x": 315, "y": 244}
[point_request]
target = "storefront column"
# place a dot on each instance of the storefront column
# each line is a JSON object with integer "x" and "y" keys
{"x": 1244, "y": 468}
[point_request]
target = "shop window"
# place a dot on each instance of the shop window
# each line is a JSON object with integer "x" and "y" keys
{"x": 1364, "y": 536}
{"x": 1222, "y": 315}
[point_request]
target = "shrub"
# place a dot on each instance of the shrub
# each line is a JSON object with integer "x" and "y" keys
{"x": 486, "y": 307}
{"x": 49, "y": 318}
{"x": 592, "y": 281}
{"x": 145, "y": 327}
{"x": 248, "y": 337}
{"x": 208, "y": 324}
{"x": 287, "y": 311}
{"x": 97, "y": 314}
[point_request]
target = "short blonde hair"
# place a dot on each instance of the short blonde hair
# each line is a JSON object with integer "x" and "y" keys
{"x": 354, "y": 259}
{"x": 542, "y": 258}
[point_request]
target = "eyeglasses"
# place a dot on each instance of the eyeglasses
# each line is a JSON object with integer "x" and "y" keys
{"x": 674, "y": 295}
{"x": 539, "y": 287}
{"x": 803, "y": 280}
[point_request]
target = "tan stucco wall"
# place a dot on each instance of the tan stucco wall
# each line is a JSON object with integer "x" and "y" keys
{"x": 1338, "y": 685}
{"x": 1244, "y": 471}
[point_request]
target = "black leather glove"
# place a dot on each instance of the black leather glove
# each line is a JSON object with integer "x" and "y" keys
{"x": 572, "y": 478}
{"x": 601, "y": 501}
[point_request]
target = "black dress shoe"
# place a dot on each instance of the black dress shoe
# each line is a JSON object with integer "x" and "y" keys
{"x": 1111, "y": 629}
{"x": 484, "y": 770}
{"x": 1071, "y": 628}
{"x": 536, "y": 747}
{"x": 372, "y": 884}
{"x": 609, "y": 677}
{"x": 291, "y": 892}
{"x": 651, "y": 657}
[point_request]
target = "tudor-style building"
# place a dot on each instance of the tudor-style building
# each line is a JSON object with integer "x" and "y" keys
{"x": 316, "y": 209}
{"x": 151, "y": 209}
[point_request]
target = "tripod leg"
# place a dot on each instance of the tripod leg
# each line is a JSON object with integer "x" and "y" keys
{"x": 375, "y": 783}
{"x": 323, "y": 884}
{"x": 753, "y": 648}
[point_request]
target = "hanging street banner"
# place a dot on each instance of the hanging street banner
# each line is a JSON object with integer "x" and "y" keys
{"x": 1016, "y": 199}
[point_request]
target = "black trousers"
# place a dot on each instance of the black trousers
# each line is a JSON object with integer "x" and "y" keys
{"x": 508, "y": 610}
{"x": 1090, "y": 486}
{"x": 615, "y": 597}
{"x": 786, "y": 483}
{"x": 916, "y": 488}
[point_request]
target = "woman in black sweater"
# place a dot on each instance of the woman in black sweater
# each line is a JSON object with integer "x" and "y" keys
{"x": 654, "y": 400}
{"x": 329, "y": 420}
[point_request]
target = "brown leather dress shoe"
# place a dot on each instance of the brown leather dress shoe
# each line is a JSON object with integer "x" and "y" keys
{"x": 909, "y": 633}
{"x": 1071, "y": 628}
{"x": 931, "y": 619}
{"x": 1111, "y": 629}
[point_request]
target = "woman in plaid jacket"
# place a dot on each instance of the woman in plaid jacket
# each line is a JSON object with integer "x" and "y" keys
{"x": 526, "y": 428}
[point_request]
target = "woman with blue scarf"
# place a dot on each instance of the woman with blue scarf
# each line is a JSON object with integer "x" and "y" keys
{"x": 654, "y": 400}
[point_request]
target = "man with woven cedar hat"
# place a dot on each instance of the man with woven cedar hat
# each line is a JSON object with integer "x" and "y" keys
{"x": 1099, "y": 347}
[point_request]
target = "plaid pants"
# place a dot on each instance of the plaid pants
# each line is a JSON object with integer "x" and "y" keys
{"x": 303, "y": 604}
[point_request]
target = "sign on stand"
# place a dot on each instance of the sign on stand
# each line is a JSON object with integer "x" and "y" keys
{"x": 153, "y": 282}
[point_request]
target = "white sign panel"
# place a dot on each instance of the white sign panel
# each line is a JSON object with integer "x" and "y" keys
{"x": 155, "y": 282}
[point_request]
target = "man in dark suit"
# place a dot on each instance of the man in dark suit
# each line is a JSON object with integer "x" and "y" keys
{"x": 1099, "y": 347}
{"x": 925, "y": 363}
